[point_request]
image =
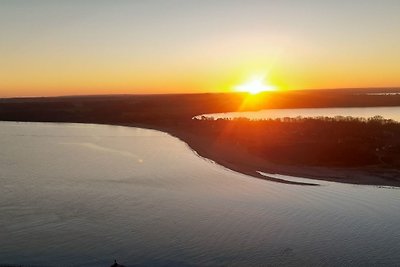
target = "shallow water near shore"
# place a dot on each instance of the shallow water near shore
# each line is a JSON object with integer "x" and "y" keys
{"x": 84, "y": 195}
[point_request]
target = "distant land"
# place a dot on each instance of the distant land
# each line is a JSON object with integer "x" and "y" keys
{"x": 351, "y": 151}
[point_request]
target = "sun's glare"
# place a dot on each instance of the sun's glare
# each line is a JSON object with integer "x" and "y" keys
{"x": 255, "y": 85}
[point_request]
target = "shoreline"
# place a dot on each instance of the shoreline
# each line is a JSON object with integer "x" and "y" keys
{"x": 240, "y": 161}
{"x": 239, "y": 147}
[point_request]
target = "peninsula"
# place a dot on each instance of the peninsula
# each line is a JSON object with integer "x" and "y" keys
{"x": 343, "y": 150}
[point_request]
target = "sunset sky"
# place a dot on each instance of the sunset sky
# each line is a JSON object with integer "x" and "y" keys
{"x": 53, "y": 47}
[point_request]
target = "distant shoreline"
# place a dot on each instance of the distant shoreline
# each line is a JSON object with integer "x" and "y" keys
{"x": 173, "y": 114}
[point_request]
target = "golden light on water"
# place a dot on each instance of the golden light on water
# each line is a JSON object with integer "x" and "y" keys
{"x": 255, "y": 85}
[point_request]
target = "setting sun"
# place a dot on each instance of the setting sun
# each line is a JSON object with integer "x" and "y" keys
{"x": 255, "y": 85}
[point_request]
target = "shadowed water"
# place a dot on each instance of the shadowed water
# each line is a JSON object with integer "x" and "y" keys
{"x": 85, "y": 195}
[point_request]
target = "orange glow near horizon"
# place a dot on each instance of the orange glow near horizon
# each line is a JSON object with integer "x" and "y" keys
{"x": 157, "y": 47}
{"x": 257, "y": 89}
{"x": 255, "y": 85}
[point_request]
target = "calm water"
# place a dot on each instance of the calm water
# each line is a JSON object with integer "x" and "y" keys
{"x": 85, "y": 194}
{"x": 386, "y": 112}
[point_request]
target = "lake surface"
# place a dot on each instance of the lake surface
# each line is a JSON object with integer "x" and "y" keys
{"x": 85, "y": 195}
{"x": 365, "y": 112}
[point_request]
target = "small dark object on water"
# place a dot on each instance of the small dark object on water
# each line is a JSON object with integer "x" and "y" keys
{"x": 116, "y": 264}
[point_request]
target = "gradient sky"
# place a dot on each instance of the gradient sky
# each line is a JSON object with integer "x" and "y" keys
{"x": 52, "y": 47}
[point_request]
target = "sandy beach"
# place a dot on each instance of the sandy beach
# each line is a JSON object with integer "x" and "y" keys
{"x": 236, "y": 159}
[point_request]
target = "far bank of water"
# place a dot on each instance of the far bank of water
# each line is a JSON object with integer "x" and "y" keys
{"x": 392, "y": 113}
